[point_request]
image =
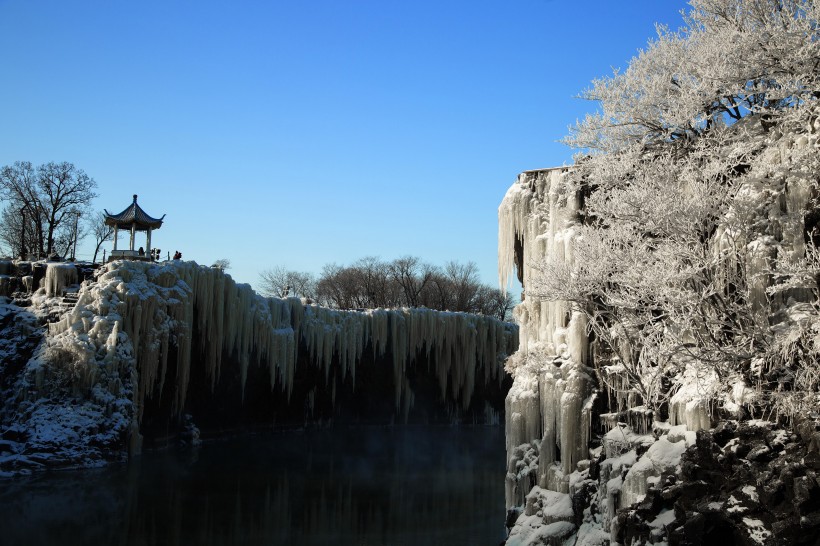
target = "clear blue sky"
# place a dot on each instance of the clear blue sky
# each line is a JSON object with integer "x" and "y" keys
{"x": 302, "y": 133}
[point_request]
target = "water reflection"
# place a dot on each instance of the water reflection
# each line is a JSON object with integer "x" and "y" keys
{"x": 368, "y": 486}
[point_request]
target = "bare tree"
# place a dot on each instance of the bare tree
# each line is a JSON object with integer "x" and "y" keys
{"x": 340, "y": 287}
{"x": 281, "y": 282}
{"x": 412, "y": 276}
{"x": 50, "y": 200}
{"x": 493, "y": 302}
{"x": 376, "y": 286}
{"x": 101, "y": 231}
{"x": 24, "y": 215}
{"x": 464, "y": 284}
{"x": 222, "y": 264}
{"x": 70, "y": 234}
{"x": 408, "y": 282}
{"x": 17, "y": 233}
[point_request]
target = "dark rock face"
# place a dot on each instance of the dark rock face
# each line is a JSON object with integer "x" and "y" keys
{"x": 20, "y": 334}
{"x": 746, "y": 483}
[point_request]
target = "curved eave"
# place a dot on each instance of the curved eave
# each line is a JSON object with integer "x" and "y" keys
{"x": 135, "y": 216}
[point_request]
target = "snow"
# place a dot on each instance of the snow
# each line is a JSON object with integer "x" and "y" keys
{"x": 111, "y": 351}
{"x": 751, "y": 492}
{"x": 550, "y": 505}
{"x": 662, "y": 456}
{"x": 734, "y": 506}
{"x": 757, "y": 530}
{"x": 590, "y": 534}
{"x": 664, "y": 518}
{"x": 530, "y": 531}
{"x": 58, "y": 277}
{"x": 741, "y": 396}
{"x": 551, "y": 397}
{"x": 621, "y": 438}
{"x": 680, "y": 432}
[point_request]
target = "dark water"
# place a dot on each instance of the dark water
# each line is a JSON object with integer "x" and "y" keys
{"x": 367, "y": 486}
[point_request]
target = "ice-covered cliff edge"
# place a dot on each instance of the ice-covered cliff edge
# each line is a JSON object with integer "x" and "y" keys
{"x": 581, "y": 436}
{"x": 553, "y": 393}
{"x": 148, "y": 347}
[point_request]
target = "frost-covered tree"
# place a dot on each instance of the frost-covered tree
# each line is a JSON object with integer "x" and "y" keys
{"x": 698, "y": 174}
{"x": 732, "y": 59}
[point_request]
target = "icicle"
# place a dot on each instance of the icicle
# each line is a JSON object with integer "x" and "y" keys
{"x": 537, "y": 223}
{"x": 58, "y": 277}
{"x": 127, "y": 323}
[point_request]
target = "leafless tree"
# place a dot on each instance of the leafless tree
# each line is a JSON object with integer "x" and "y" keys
{"x": 280, "y": 282}
{"x": 101, "y": 231}
{"x": 49, "y": 200}
{"x": 493, "y": 302}
{"x": 412, "y": 276}
{"x": 408, "y": 282}
{"x": 222, "y": 264}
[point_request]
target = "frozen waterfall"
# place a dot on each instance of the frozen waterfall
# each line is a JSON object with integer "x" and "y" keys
{"x": 143, "y": 331}
{"x": 551, "y": 400}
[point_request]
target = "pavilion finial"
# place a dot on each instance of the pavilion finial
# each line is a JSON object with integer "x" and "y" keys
{"x": 135, "y": 198}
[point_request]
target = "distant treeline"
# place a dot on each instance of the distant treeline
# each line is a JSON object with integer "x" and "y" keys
{"x": 371, "y": 283}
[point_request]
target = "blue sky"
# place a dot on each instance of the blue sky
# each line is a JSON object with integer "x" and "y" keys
{"x": 304, "y": 133}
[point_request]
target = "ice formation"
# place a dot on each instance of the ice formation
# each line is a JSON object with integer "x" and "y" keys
{"x": 553, "y": 393}
{"x": 137, "y": 319}
{"x": 59, "y": 276}
{"x": 559, "y": 397}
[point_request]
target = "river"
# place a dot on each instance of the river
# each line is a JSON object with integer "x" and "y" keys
{"x": 363, "y": 486}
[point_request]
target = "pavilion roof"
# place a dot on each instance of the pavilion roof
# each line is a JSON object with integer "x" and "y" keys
{"x": 133, "y": 215}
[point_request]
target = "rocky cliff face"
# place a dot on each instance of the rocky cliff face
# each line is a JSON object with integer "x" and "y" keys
{"x": 151, "y": 352}
{"x": 589, "y": 462}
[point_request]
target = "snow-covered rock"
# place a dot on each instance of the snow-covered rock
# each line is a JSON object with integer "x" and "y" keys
{"x": 142, "y": 332}
{"x": 571, "y": 397}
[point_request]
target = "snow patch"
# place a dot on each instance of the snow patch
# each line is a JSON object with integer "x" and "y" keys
{"x": 757, "y": 530}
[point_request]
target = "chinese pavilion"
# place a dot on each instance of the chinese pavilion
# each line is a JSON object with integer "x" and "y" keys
{"x": 133, "y": 219}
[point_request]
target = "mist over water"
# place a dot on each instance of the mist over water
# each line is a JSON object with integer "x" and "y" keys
{"x": 369, "y": 485}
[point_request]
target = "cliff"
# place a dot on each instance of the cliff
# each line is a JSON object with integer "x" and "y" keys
{"x": 154, "y": 352}
{"x": 623, "y": 424}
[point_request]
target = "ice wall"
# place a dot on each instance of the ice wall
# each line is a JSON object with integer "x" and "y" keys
{"x": 138, "y": 316}
{"x": 550, "y": 409}
{"x": 550, "y": 402}
{"x": 58, "y": 277}
{"x": 553, "y": 403}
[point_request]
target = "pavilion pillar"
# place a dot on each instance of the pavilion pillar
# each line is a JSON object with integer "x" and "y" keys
{"x": 116, "y": 232}
{"x": 148, "y": 243}
{"x": 133, "y": 232}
